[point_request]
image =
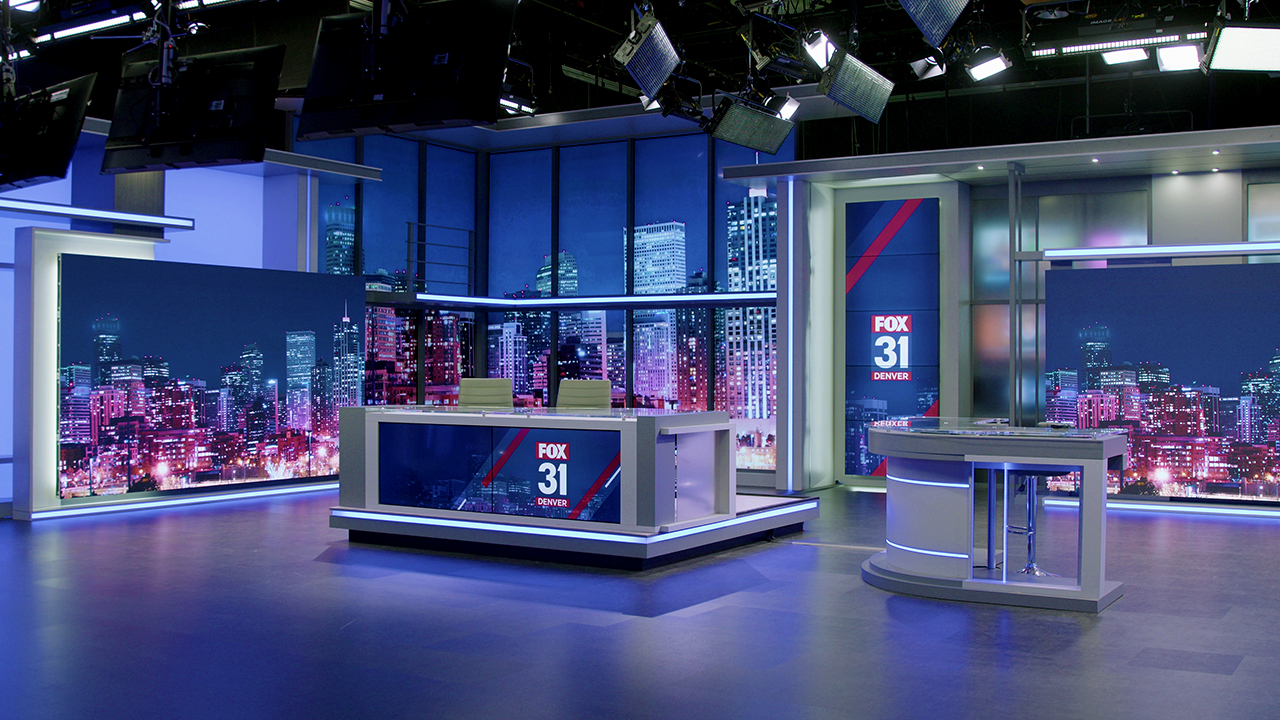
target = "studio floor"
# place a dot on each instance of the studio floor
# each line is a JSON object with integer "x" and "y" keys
{"x": 256, "y": 609}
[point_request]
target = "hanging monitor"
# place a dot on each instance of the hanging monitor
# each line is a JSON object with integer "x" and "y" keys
{"x": 42, "y": 128}
{"x": 440, "y": 65}
{"x": 215, "y": 112}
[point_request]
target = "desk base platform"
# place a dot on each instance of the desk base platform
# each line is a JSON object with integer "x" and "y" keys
{"x": 1047, "y": 593}
{"x": 759, "y": 517}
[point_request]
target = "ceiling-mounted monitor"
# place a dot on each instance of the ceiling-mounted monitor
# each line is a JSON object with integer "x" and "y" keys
{"x": 438, "y": 65}
{"x": 40, "y": 130}
{"x": 215, "y": 112}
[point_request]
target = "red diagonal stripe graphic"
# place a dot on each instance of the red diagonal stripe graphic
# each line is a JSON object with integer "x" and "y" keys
{"x": 878, "y": 245}
{"x": 933, "y": 410}
{"x": 595, "y": 487}
{"x": 506, "y": 455}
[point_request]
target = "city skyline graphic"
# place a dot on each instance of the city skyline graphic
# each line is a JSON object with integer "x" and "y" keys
{"x": 1187, "y": 359}
{"x": 177, "y": 376}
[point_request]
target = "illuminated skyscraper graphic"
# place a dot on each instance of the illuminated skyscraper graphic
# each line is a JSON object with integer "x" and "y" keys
{"x": 74, "y": 423}
{"x": 1061, "y": 391}
{"x": 300, "y": 357}
{"x": 1095, "y": 354}
{"x": 509, "y": 355}
{"x": 251, "y": 361}
{"x": 659, "y": 261}
{"x": 106, "y": 347}
{"x": 340, "y": 240}
{"x": 324, "y": 414}
{"x": 751, "y": 334}
{"x": 348, "y": 363}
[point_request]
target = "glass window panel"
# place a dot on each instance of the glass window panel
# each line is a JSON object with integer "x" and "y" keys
{"x": 450, "y": 193}
{"x": 990, "y": 221}
{"x": 656, "y": 334}
{"x": 592, "y": 347}
{"x": 519, "y": 222}
{"x": 730, "y": 195}
{"x": 1094, "y": 220}
{"x": 389, "y": 205}
{"x": 446, "y": 257}
{"x": 746, "y": 374}
{"x": 519, "y": 345}
{"x": 991, "y": 360}
{"x": 448, "y": 339}
{"x": 671, "y": 213}
{"x": 338, "y": 213}
{"x": 593, "y": 219}
{"x": 391, "y": 356}
{"x": 1264, "y": 217}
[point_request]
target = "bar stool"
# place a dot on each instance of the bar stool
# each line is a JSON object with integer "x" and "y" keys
{"x": 1031, "y": 481}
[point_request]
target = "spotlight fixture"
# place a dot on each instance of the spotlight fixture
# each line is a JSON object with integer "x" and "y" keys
{"x": 928, "y": 67}
{"x": 934, "y": 17}
{"x": 1243, "y": 46}
{"x": 785, "y": 106}
{"x": 986, "y": 62}
{"x": 852, "y": 83}
{"x": 673, "y": 100}
{"x": 820, "y": 48}
{"x": 1126, "y": 55}
{"x": 742, "y": 123}
{"x": 648, "y": 55}
{"x": 1172, "y": 58}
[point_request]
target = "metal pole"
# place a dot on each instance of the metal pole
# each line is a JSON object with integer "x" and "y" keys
{"x": 1015, "y": 292}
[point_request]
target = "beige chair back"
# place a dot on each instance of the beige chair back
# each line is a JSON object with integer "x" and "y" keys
{"x": 485, "y": 392}
{"x": 583, "y": 394}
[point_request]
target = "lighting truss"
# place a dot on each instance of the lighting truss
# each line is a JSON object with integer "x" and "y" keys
{"x": 1068, "y": 37}
{"x": 852, "y": 83}
{"x": 1243, "y": 46}
{"x": 935, "y": 18}
{"x": 648, "y": 55}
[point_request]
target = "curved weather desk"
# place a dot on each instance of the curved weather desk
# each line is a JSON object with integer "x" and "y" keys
{"x": 930, "y": 510}
{"x": 584, "y": 482}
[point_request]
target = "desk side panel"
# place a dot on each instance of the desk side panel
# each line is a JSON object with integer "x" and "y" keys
{"x": 352, "y": 468}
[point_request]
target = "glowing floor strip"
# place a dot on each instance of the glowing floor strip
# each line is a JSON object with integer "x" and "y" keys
{"x": 1171, "y": 508}
{"x": 930, "y": 483}
{"x": 938, "y": 553}
{"x": 195, "y": 500}
{"x": 569, "y": 533}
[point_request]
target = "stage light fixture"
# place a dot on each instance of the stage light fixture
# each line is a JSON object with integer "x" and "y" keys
{"x": 928, "y": 67}
{"x": 1130, "y": 28}
{"x": 1243, "y": 46}
{"x": 785, "y": 106}
{"x": 1127, "y": 55}
{"x": 1179, "y": 57}
{"x": 648, "y": 55}
{"x": 986, "y": 62}
{"x": 852, "y": 83}
{"x": 649, "y": 103}
{"x": 739, "y": 122}
{"x": 820, "y": 48}
{"x": 934, "y": 18}
{"x": 774, "y": 47}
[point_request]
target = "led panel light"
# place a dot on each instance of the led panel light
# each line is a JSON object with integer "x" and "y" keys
{"x": 27, "y": 6}
{"x": 740, "y": 124}
{"x": 90, "y": 27}
{"x": 934, "y": 17}
{"x": 1205, "y": 250}
{"x": 1253, "y": 47}
{"x": 851, "y": 83}
{"x": 984, "y": 69}
{"x": 1172, "y": 58}
{"x": 648, "y": 55}
{"x": 1128, "y": 55}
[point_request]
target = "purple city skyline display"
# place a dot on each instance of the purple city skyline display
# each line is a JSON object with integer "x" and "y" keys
{"x": 177, "y": 376}
{"x": 1187, "y": 359}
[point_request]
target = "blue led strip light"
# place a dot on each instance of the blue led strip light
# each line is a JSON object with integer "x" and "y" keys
{"x": 938, "y": 553}
{"x": 1162, "y": 507}
{"x": 569, "y": 533}
{"x": 67, "y": 211}
{"x": 930, "y": 483}
{"x": 577, "y": 301}
{"x": 195, "y": 500}
{"x": 1249, "y": 248}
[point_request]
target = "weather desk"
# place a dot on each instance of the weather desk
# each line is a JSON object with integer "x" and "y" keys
{"x": 930, "y": 511}
{"x": 590, "y": 485}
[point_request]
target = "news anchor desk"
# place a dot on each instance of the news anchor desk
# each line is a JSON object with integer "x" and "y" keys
{"x": 930, "y": 511}
{"x": 583, "y": 484}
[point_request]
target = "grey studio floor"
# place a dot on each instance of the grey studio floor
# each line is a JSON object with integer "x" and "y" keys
{"x": 256, "y": 609}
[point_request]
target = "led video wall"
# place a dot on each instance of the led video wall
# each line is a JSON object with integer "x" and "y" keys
{"x": 891, "y": 319}
{"x": 1187, "y": 359}
{"x": 177, "y": 376}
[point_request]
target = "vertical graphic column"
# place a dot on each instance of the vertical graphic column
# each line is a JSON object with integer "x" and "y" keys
{"x": 891, "y": 319}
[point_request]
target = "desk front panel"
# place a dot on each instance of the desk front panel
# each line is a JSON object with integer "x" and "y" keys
{"x": 536, "y": 472}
